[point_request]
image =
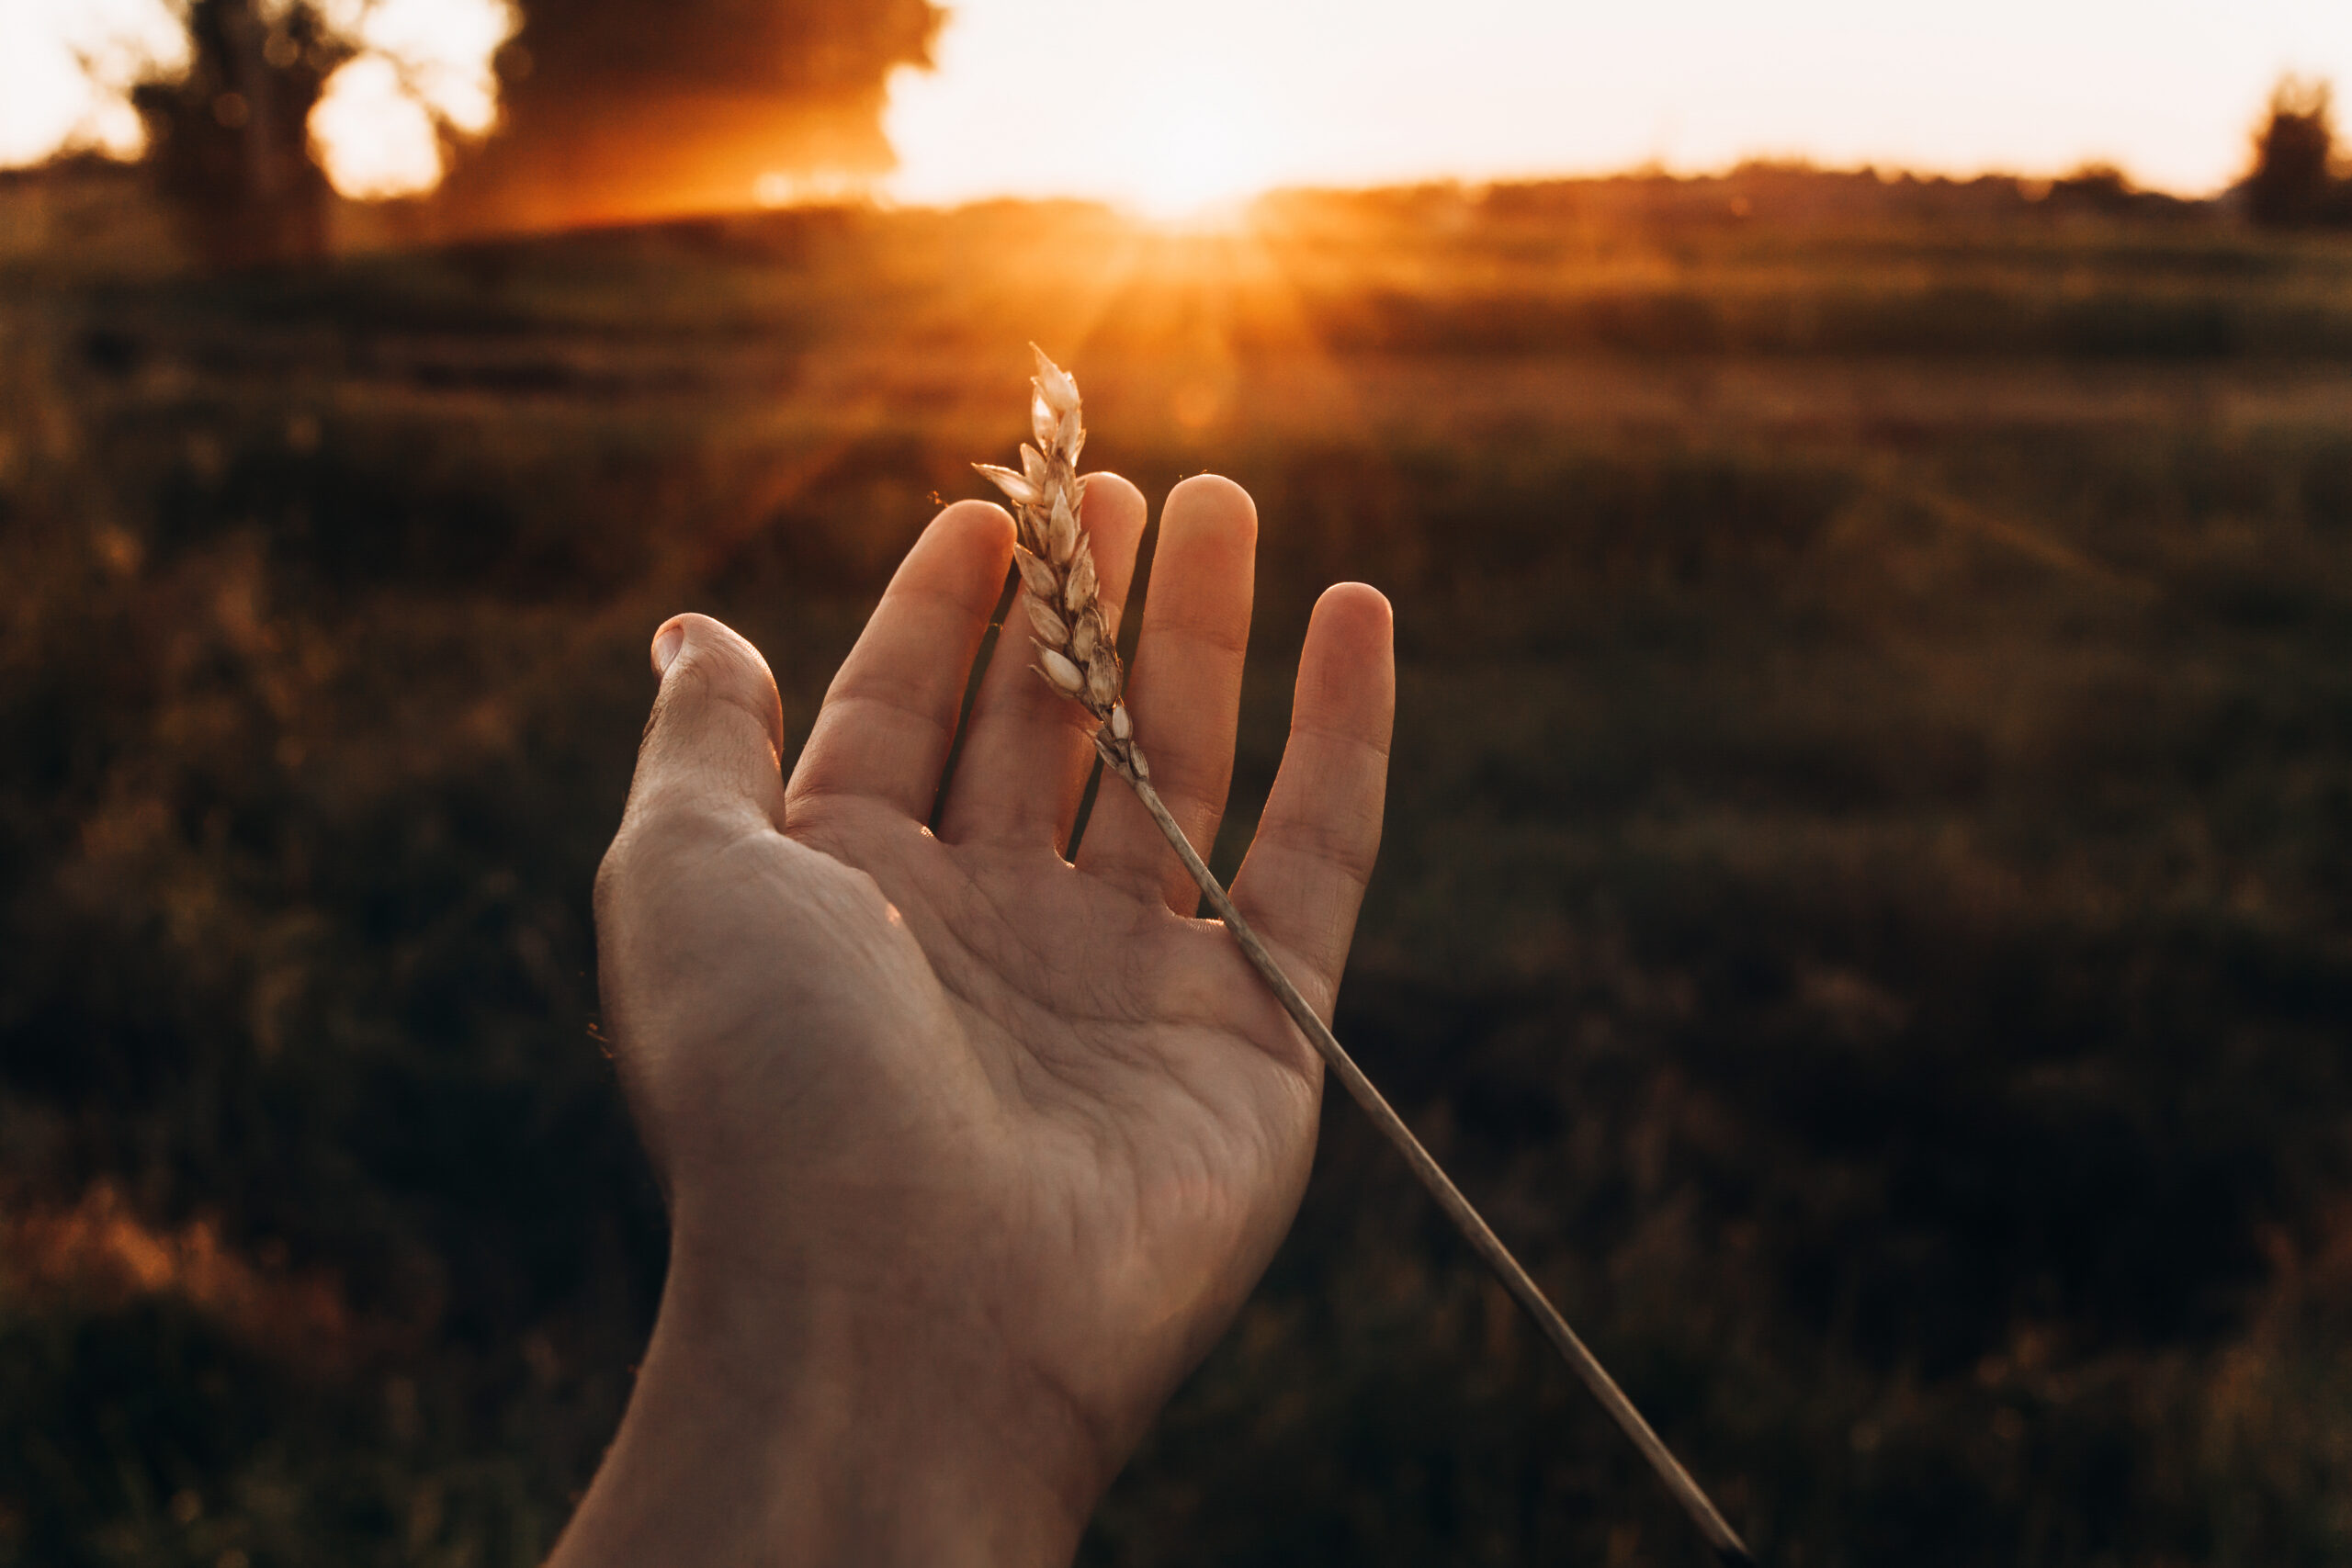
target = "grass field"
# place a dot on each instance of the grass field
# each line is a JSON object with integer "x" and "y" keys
{"x": 1867, "y": 906}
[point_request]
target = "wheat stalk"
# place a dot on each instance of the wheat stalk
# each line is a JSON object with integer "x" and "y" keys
{"x": 1061, "y": 595}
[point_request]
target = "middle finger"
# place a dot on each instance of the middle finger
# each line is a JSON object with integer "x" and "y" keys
{"x": 1029, "y": 749}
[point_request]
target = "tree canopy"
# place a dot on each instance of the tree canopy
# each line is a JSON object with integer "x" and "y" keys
{"x": 618, "y": 109}
{"x": 609, "y": 109}
{"x": 226, "y": 140}
{"x": 2294, "y": 178}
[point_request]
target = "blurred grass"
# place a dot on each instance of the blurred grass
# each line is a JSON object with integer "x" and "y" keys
{"x": 1864, "y": 906}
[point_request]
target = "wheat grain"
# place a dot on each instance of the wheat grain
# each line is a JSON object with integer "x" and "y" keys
{"x": 1075, "y": 656}
{"x": 1061, "y": 591}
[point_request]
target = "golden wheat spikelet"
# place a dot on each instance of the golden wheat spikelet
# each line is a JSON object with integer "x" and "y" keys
{"x": 1061, "y": 592}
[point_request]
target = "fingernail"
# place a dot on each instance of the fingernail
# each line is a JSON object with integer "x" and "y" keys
{"x": 666, "y": 643}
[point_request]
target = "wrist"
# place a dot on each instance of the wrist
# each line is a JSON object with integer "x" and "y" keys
{"x": 780, "y": 1420}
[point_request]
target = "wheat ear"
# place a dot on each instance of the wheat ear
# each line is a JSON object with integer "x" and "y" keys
{"x": 1062, "y": 598}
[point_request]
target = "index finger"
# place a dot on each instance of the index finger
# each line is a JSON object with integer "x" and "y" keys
{"x": 1304, "y": 879}
{"x": 890, "y": 717}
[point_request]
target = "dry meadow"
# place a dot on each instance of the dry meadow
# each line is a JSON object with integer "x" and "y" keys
{"x": 1867, "y": 907}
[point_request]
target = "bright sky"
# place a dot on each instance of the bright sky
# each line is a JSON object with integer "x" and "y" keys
{"x": 422, "y": 66}
{"x": 1167, "y": 105}
{"x": 48, "y": 99}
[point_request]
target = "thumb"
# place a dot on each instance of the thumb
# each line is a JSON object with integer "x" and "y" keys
{"x": 712, "y": 747}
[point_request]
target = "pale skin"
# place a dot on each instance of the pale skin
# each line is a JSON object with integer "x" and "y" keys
{"x": 971, "y": 1152}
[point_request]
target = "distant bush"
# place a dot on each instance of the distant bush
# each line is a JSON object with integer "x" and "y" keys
{"x": 2295, "y": 178}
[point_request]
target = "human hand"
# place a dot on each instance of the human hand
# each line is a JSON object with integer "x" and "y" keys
{"x": 970, "y": 1153}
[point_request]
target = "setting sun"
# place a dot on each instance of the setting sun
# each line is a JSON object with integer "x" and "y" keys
{"x": 1199, "y": 146}
{"x": 1185, "y": 126}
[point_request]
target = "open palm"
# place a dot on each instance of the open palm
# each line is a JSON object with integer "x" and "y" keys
{"x": 969, "y": 1146}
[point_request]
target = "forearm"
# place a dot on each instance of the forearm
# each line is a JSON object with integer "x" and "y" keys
{"x": 769, "y": 1428}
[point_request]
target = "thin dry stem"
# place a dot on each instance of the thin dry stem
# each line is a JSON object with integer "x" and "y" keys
{"x": 1076, "y": 658}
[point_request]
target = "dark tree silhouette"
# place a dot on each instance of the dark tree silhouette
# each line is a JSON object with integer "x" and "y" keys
{"x": 611, "y": 109}
{"x": 228, "y": 142}
{"x": 621, "y": 108}
{"x": 2294, "y": 181}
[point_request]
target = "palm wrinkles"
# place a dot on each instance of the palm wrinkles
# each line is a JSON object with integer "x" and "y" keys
{"x": 1119, "y": 1062}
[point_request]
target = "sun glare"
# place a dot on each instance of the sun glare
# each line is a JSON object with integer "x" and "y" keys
{"x": 1184, "y": 142}
{"x": 1198, "y": 154}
